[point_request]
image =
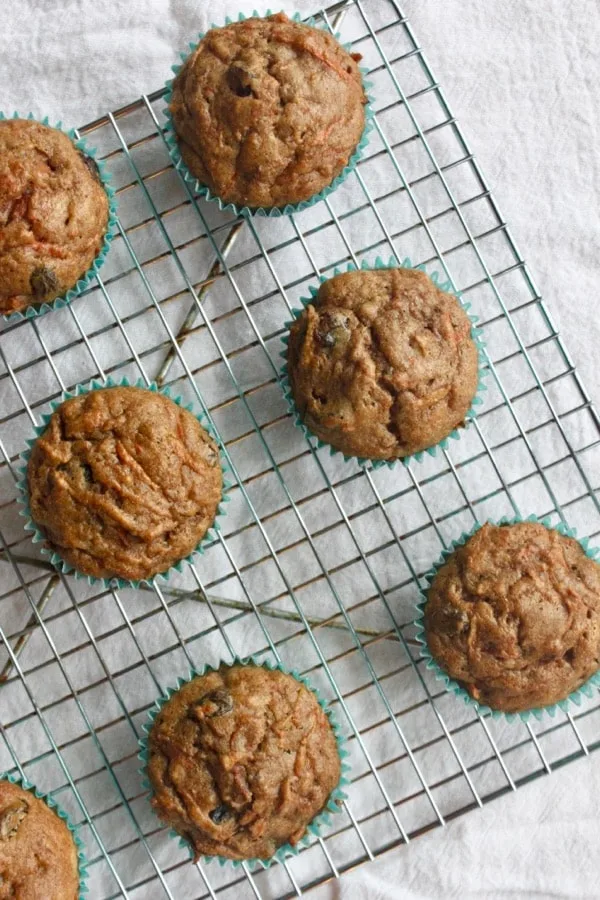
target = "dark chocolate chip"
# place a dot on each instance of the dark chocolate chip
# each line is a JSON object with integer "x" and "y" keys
{"x": 335, "y": 330}
{"x": 326, "y": 338}
{"x": 11, "y": 817}
{"x": 216, "y": 703}
{"x": 239, "y": 78}
{"x": 212, "y": 457}
{"x": 220, "y": 814}
{"x": 44, "y": 283}
{"x": 88, "y": 475}
{"x": 90, "y": 164}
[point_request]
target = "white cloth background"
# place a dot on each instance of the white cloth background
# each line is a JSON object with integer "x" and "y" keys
{"x": 521, "y": 76}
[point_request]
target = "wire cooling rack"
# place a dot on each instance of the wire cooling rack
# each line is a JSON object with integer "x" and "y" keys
{"x": 318, "y": 560}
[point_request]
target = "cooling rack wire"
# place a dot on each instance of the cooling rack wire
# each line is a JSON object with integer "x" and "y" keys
{"x": 318, "y": 560}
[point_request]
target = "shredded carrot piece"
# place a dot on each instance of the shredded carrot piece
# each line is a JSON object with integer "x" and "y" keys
{"x": 284, "y": 39}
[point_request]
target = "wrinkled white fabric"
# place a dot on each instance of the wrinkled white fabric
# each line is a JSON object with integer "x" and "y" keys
{"x": 522, "y": 78}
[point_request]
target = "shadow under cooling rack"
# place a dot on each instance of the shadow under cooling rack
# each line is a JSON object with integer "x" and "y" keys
{"x": 318, "y": 561}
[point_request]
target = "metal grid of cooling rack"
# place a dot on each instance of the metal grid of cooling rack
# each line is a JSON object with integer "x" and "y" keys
{"x": 318, "y": 560}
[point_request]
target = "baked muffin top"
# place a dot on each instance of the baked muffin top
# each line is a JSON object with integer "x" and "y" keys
{"x": 53, "y": 214}
{"x": 241, "y": 760}
{"x": 514, "y": 616}
{"x": 38, "y": 856}
{"x": 268, "y": 111}
{"x": 382, "y": 364}
{"x": 123, "y": 482}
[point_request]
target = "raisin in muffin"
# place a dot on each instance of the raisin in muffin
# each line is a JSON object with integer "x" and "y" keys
{"x": 268, "y": 111}
{"x": 38, "y": 856}
{"x": 53, "y": 214}
{"x": 514, "y": 616}
{"x": 241, "y": 760}
{"x": 123, "y": 482}
{"x": 382, "y": 364}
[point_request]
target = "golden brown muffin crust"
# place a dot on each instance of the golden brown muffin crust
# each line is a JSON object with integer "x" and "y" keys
{"x": 241, "y": 760}
{"x": 382, "y": 364}
{"x": 53, "y": 214}
{"x": 514, "y": 616}
{"x": 123, "y": 482}
{"x": 268, "y": 111}
{"x": 38, "y": 857}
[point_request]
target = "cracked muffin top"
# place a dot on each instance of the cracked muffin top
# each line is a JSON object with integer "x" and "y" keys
{"x": 241, "y": 760}
{"x": 382, "y": 363}
{"x": 514, "y": 616}
{"x": 38, "y": 856}
{"x": 123, "y": 482}
{"x": 268, "y": 111}
{"x": 53, "y": 214}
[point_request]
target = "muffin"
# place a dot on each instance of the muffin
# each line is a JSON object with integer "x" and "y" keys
{"x": 123, "y": 482}
{"x": 382, "y": 364}
{"x": 241, "y": 760}
{"x": 53, "y": 214}
{"x": 268, "y": 111}
{"x": 38, "y": 856}
{"x": 514, "y": 616}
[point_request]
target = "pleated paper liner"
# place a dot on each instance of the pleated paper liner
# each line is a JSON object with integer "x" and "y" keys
{"x": 81, "y": 858}
{"x": 204, "y": 191}
{"x": 321, "y": 820}
{"x": 39, "y": 309}
{"x": 476, "y": 335}
{"x": 575, "y": 698}
{"x": 37, "y": 535}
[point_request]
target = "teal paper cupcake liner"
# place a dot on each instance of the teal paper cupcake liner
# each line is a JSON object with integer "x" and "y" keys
{"x": 81, "y": 858}
{"x": 37, "y": 536}
{"x": 453, "y": 686}
{"x": 204, "y": 191}
{"x": 322, "y": 819}
{"x": 476, "y": 335}
{"x": 84, "y": 282}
